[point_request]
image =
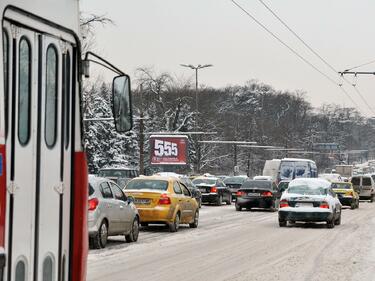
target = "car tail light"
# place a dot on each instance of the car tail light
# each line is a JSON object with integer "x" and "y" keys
{"x": 164, "y": 200}
{"x": 284, "y": 203}
{"x": 93, "y": 203}
{"x": 324, "y": 205}
{"x": 213, "y": 189}
{"x": 240, "y": 193}
{"x": 267, "y": 194}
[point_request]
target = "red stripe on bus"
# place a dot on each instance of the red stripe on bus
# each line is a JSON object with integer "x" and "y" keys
{"x": 3, "y": 194}
{"x": 80, "y": 234}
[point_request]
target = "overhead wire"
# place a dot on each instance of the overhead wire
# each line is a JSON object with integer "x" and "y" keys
{"x": 294, "y": 52}
{"x": 319, "y": 56}
{"x": 361, "y": 65}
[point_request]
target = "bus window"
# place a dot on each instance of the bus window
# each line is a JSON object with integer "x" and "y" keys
{"x": 24, "y": 91}
{"x": 6, "y": 76}
{"x": 286, "y": 170}
{"x": 51, "y": 96}
{"x": 301, "y": 170}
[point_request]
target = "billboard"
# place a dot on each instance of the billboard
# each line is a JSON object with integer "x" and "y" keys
{"x": 169, "y": 149}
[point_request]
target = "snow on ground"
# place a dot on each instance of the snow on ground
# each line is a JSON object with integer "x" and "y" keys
{"x": 241, "y": 246}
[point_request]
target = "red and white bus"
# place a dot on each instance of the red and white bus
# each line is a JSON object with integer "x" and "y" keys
{"x": 43, "y": 170}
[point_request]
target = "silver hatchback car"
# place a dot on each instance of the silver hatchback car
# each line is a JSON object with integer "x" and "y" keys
{"x": 110, "y": 213}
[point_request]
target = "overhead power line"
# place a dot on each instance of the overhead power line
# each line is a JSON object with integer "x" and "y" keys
{"x": 361, "y": 65}
{"x": 295, "y": 52}
{"x": 319, "y": 56}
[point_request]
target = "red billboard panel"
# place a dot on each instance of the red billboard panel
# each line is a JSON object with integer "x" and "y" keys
{"x": 169, "y": 149}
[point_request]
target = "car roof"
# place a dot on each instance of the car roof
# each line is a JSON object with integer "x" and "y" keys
{"x": 156, "y": 177}
{"x": 312, "y": 180}
{"x": 252, "y": 180}
{"x": 97, "y": 180}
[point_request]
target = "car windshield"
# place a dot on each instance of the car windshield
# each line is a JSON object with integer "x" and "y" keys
{"x": 257, "y": 184}
{"x": 234, "y": 180}
{"x": 147, "y": 184}
{"x": 118, "y": 173}
{"x": 341, "y": 186}
{"x": 206, "y": 181}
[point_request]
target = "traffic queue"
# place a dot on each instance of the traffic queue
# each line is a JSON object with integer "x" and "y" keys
{"x": 172, "y": 199}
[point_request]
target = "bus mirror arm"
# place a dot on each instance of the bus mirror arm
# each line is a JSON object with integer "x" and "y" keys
{"x": 100, "y": 61}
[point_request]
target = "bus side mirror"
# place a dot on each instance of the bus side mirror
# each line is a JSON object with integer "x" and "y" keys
{"x": 122, "y": 109}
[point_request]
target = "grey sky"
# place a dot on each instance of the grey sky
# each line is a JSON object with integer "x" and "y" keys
{"x": 166, "y": 33}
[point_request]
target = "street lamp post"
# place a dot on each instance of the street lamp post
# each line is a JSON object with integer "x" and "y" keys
{"x": 196, "y": 68}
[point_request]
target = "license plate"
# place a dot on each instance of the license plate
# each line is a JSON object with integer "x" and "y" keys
{"x": 253, "y": 194}
{"x": 142, "y": 201}
{"x": 203, "y": 190}
{"x": 304, "y": 205}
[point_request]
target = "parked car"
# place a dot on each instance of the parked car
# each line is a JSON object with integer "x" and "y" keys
{"x": 234, "y": 184}
{"x": 120, "y": 175}
{"x": 163, "y": 200}
{"x": 310, "y": 200}
{"x": 346, "y": 194}
{"x": 365, "y": 186}
{"x": 257, "y": 194}
{"x": 283, "y": 185}
{"x": 195, "y": 192}
{"x": 110, "y": 213}
{"x": 213, "y": 190}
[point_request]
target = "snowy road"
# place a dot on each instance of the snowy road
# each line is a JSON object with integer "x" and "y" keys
{"x": 236, "y": 246}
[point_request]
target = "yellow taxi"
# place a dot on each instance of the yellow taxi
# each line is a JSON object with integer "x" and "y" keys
{"x": 346, "y": 194}
{"x": 163, "y": 200}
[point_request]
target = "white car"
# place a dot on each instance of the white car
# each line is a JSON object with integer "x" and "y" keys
{"x": 310, "y": 200}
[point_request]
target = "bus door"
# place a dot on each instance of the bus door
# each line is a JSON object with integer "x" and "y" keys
{"x": 38, "y": 151}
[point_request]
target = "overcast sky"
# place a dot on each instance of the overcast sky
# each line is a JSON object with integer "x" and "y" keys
{"x": 166, "y": 33}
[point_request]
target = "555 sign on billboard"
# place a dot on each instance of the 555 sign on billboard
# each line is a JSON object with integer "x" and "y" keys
{"x": 169, "y": 150}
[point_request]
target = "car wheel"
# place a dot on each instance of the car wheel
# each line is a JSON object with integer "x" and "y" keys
{"x": 219, "y": 201}
{"x": 353, "y": 205}
{"x": 282, "y": 223}
{"x": 338, "y": 220}
{"x": 194, "y": 224}
{"x": 372, "y": 199}
{"x": 134, "y": 232}
{"x": 331, "y": 223}
{"x": 238, "y": 208}
{"x": 175, "y": 225}
{"x": 229, "y": 202}
{"x": 100, "y": 239}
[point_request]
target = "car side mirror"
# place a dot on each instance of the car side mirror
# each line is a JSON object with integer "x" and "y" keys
{"x": 122, "y": 109}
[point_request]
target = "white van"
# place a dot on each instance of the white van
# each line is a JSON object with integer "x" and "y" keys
{"x": 290, "y": 168}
